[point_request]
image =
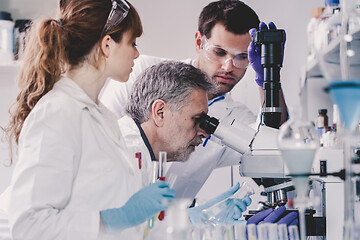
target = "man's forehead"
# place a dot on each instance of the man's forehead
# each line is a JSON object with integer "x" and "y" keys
{"x": 221, "y": 37}
{"x": 196, "y": 102}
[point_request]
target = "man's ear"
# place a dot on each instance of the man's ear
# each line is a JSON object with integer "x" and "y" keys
{"x": 198, "y": 41}
{"x": 158, "y": 111}
{"x": 105, "y": 45}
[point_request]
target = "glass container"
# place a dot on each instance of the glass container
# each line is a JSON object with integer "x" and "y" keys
{"x": 215, "y": 214}
{"x": 298, "y": 142}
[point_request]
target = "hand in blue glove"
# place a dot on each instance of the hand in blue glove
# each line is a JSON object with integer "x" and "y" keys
{"x": 230, "y": 212}
{"x": 255, "y": 53}
{"x": 272, "y": 216}
{"x": 140, "y": 207}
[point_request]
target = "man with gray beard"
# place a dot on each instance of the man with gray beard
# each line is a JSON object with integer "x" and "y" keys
{"x": 164, "y": 108}
{"x": 163, "y": 115}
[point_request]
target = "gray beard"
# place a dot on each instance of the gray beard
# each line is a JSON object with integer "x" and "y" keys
{"x": 182, "y": 155}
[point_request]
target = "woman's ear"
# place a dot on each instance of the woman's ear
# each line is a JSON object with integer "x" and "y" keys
{"x": 198, "y": 42}
{"x": 106, "y": 45}
{"x": 158, "y": 112}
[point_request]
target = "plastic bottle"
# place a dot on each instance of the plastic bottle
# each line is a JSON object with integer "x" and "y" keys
{"x": 311, "y": 31}
{"x": 333, "y": 26}
{"x": 21, "y": 28}
{"x": 322, "y": 122}
{"x": 331, "y": 7}
{"x": 6, "y": 38}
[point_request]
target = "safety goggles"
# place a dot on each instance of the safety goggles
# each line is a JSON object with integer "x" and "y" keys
{"x": 222, "y": 55}
{"x": 119, "y": 11}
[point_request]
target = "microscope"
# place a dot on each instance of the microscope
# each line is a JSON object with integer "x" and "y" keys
{"x": 261, "y": 159}
{"x": 271, "y": 41}
{"x": 260, "y": 147}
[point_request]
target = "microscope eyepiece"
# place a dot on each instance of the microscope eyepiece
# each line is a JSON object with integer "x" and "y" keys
{"x": 271, "y": 42}
{"x": 208, "y": 124}
{"x": 268, "y": 36}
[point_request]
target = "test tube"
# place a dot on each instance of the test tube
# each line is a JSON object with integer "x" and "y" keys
{"x": 262, "y": 231}
{"x": 154, "y": 178}
{"x": 162, "y": 163}
{"x": 240, "y": 231}
{"x": 283, "y": 232}
{"x": 251, "y": 231}
{"x": 273, "y": 231}
{"x": 294, "y": 233}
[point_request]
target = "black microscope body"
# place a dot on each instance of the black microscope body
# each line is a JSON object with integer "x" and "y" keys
{"x": 271, "y": 43}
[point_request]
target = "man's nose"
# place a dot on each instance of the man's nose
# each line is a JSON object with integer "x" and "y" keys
{"x": 228, "y": 65}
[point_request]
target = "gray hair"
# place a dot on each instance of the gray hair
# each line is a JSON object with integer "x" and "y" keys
{"x": 170, "y": 81}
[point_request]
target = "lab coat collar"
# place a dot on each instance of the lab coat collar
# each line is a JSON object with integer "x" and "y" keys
{"x": 218, "y": 98}
{"x": 146, "y": 141}
{"x": 70, "y": 87}
{"x": 228, "y": 101}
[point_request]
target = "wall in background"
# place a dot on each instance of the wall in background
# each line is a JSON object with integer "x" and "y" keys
{"x": 170, "y": 25}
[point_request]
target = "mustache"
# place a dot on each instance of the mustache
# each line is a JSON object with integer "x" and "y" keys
{"x": 227, "y": 74}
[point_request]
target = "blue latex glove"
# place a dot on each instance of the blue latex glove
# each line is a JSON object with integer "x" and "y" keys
{"x": 272, "y": 216}
{"x": 254, "y": 53}
{"x": 231, "y": 212}
{"x": 143, "y": 205}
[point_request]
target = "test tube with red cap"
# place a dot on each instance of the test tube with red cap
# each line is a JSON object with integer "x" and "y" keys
{"x": 162, "y": 163}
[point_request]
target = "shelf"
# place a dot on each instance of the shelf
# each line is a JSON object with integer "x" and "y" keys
{"x": 313, "y": 69}
{"x": 332, "y": 55}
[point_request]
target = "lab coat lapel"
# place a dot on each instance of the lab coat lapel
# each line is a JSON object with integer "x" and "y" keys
{"x": 110, "y": 128}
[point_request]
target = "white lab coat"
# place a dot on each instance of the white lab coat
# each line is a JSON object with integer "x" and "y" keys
{"x": 72, "y": 164}
{"x": 192, "y": 174}
{"x": 135, "y": 144}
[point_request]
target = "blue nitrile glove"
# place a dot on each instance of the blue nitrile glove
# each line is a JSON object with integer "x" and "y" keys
{"x": 254, "y": 53}
{"x": 143, "y": 205}
{"x": 272, "y": 216}
{"x": 233, "y": 209}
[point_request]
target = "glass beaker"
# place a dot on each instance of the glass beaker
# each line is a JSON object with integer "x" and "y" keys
{"x": 215, "y": 214}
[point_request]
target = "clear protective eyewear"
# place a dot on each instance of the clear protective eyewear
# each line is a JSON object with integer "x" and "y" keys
{"x": 119, "y": 11}
{"x": 218, "y": 54}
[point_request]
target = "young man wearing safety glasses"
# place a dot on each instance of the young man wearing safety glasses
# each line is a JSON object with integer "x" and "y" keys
{"x": 224, "y": 51}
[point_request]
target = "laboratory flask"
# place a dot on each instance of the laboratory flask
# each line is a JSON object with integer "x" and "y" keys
{"x": 298, "y": 142}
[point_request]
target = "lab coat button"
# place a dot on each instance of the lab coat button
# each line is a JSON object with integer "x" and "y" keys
{"x": 131, "y": 171}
